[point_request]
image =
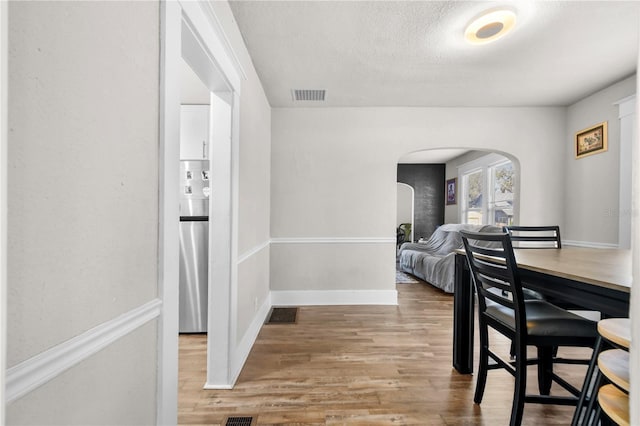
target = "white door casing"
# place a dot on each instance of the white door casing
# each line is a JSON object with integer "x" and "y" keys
{"x": 189, "y": 32}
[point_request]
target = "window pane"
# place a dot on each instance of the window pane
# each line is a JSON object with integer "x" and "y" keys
{"x": 474, "y": 217}
{"x": 474, "y": 190}
{"x": 503, "y": 194}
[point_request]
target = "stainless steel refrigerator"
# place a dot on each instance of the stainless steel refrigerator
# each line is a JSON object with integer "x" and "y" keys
{"x": 194, "y": 245}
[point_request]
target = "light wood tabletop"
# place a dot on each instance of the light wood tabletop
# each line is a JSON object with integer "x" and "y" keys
{"x": 594, "y": 279}
{"x": 610, "y": 268}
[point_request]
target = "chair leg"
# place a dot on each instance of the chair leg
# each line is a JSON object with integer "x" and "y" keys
{"x": 517, "y": 409}
{"x": 597, "y": 416}
{"x": 545, "y": 368}
{"x": 481, "y": 381}
{"x": 589, "y": 389}
{"x": 593, "y": 408}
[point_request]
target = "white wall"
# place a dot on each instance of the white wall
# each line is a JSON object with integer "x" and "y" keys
{"x": 591, "y": 197}
{"x": 113, "y": 387}
{"x": 83, "y": 205}
{"x": 322, "y": 157}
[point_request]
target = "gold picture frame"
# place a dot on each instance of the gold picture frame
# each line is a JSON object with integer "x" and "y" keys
{"x": 591, "y": 141}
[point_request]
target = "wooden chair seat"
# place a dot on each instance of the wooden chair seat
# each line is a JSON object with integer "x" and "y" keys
{"x": 615, "y": 404}
{"x": 614, "y": 365}
{"x": 616, "y": 330}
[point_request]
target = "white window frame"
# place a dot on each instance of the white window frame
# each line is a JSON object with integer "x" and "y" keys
{"x": 464, "y": 200}
{"x": 491, "y": 202}
{"x": 485, "y": 164}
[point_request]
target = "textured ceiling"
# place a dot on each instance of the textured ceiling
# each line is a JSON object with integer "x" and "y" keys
{"x": 412, "y": 53}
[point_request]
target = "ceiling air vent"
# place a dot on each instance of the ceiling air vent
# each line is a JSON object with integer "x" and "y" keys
{"x": 308, "y": 95}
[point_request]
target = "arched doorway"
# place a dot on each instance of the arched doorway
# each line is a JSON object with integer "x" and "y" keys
{"x": 459, "y": 162}
{"x": 405, "y": 207}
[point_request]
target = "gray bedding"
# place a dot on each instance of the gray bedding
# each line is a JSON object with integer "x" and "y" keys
{"x": 433, "y": 260}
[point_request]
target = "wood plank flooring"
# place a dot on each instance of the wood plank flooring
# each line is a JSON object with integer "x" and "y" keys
{"x": 360, "y": 365}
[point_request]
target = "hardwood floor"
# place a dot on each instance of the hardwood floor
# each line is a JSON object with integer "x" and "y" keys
{"x": 360, "y": 365}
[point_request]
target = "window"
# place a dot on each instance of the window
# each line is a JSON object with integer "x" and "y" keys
{"x": 488, "y": 191}
{"x": 501, "y": 201}
{"x": 473, "y": 197}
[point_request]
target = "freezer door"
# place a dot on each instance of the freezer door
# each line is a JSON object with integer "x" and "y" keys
{"x": 194, "y": 188}
{"x": 194, "y": 278}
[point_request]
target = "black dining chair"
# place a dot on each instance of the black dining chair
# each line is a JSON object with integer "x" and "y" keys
{"x": 534, "y": 236}
{"x": 538, "y": 237}
{"x": 502, "y": 307}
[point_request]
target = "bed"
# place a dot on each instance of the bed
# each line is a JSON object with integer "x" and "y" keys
{"x": 433, "y": 260}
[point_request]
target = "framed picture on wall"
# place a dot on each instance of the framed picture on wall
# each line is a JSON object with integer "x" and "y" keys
{"x": 451, "y": 191}
{"x": 592, "y": 140}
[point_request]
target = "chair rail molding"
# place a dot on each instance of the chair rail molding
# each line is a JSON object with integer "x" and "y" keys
{"x": 253, "y": 251}
{"x": 333, "y": 240}
{"x": 36, "y": 371}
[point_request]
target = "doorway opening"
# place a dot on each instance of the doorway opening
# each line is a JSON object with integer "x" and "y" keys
{"x": 216, "y": 150}
{"x": 405, "y": 211}
{"x": 190, "y": 40}
{"x": 447, "y": 194}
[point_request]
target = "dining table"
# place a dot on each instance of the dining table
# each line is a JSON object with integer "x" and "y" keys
{"x": 595, "y": 279}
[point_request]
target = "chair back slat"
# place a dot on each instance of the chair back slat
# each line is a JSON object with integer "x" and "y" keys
{"x": 534, "y": 236}
{"x": 492, "y": 269}
{"x": 494, "y": 273}
{"x": 493, "y": 282}
{"x": 489, "y": 252}
{"x": 498, "y": 297}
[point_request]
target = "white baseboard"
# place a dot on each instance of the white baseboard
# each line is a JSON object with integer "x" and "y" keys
{"x": 218, "y": 387}
{"x": 244, "y": 347}
{"x": 241, "y": 352}
{"x": 34, "y": 372}
{"x": 334, "y": 297}
{"x": 588, "y": 244}
{"x": 299, "y": 298}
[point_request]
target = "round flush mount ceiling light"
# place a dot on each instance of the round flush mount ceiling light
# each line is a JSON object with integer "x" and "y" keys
{"x": 490, "y": 26}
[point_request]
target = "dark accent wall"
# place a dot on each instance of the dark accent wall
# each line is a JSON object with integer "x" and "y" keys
{"x": 428, "y": 184}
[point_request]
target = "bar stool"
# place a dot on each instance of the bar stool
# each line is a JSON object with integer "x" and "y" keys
{"x": 614, "y": 398}
{"x": 612, "y": 364}
{"x": 615, "y": 404}
{"x": 616, "y": 331}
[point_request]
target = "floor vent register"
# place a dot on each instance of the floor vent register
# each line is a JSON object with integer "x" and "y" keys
{"x": 239, "y": 421}
{"x": 283, "y": 316}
